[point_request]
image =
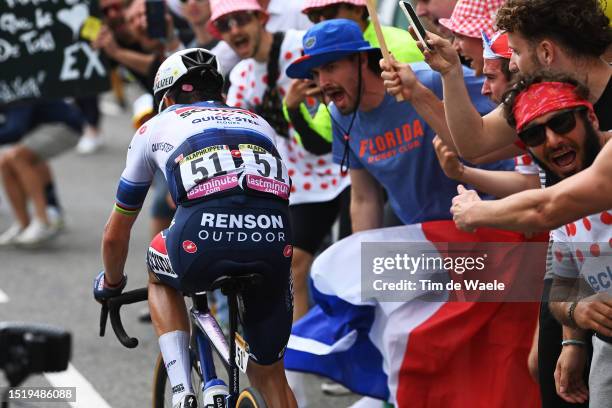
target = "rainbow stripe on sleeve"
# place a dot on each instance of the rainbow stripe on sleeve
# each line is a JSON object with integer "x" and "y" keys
{"x": 126, "y": 211}
{"x": 130, "y": 196}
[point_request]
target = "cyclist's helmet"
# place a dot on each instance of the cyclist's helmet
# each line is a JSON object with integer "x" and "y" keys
{"x": 190, "y": 61}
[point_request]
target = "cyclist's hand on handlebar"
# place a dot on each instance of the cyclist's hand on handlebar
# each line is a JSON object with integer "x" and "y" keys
{"x": 103, "y": 291}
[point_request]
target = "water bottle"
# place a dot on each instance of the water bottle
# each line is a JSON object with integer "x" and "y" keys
{"x": 215, "y": 394}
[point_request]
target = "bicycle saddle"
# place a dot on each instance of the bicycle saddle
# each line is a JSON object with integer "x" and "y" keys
{"x": 232, "y": 285}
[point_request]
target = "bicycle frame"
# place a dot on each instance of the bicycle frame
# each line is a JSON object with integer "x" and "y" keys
{"x": 207, "y": 332}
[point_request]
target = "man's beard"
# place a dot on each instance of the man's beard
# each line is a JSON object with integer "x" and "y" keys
{"x": 592, "y": 146}
{"x": 350, "y": 108}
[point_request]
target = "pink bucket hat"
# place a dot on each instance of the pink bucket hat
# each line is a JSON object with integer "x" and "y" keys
{"x": 219, "y": 8}
{"x": 471, "y": 17}
{"x": 313, "y": 4}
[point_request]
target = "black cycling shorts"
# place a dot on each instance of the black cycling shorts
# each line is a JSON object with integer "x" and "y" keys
{"x": 237, "y": 234}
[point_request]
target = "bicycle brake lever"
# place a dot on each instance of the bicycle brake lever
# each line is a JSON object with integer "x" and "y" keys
{"x": 103, "y": 319}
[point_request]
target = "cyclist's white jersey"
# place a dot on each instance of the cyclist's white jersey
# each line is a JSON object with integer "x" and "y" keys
{"x": 203, "y": 149}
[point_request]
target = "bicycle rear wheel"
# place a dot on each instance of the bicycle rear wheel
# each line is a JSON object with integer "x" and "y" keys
{"x": 162, "y": 390}
{"x": 250, "y": 398}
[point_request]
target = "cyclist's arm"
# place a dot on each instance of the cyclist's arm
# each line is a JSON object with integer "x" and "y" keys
{"x": 115, "y": 244}
{"x": 366, "y": 201}
{"x": 132, "y": 190}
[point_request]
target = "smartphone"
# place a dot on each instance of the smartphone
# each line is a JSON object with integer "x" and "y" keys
{"x": 156, "y": 18}
{"x": 414, "y": 21}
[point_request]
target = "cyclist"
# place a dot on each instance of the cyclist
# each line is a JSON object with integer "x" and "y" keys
{"x": 231, "y": 191}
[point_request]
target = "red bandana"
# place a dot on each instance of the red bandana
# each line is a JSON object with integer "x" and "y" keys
{"x": 544, "y": 97}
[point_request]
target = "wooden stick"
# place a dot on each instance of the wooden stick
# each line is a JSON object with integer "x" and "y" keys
{"x": 381, "y": 39}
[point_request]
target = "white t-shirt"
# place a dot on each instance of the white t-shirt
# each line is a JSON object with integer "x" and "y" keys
{"x": 584, "y": 248}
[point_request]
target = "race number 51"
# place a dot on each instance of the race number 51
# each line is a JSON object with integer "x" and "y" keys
{"x": 267, "y": 165}
{"x": 200, "y": 166}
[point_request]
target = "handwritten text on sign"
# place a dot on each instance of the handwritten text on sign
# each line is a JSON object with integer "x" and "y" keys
{"x": 42, "y": 52}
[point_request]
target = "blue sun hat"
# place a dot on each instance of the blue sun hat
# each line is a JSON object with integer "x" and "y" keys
{"x": 326, "y": 42}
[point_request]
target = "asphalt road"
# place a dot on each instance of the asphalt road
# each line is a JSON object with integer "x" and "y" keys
{"x": 53, "y": 284}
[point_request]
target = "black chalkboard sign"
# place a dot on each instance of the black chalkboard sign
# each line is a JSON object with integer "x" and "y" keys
{"x": 43, "y": 50}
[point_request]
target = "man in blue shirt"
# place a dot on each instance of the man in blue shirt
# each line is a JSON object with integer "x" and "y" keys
{"x": 385, "y": 143}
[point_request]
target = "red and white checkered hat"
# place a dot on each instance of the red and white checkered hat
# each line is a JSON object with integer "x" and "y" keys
{"x": 220, "y": 8}
{"x": 313, "y": 4}
{"x": 471, "y": 17}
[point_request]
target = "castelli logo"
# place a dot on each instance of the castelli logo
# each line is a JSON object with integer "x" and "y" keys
{"x": 236, "y": 153}
{"x": 142, "y": 129}
{"x": 190, "y": 247}
{"x": 288, "y": 251}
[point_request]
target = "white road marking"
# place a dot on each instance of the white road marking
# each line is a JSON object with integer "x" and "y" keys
{"x": 3, "y": 297}
{"x": 86, "y": 395}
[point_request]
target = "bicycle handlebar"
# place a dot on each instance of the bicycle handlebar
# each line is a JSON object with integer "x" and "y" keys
{"x": 112, "y": 306}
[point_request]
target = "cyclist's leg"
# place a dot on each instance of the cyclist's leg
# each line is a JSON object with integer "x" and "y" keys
{"x": 268, "y": 308}
{"x": 271, "y": 382}
{"x": 169, "y": 318}
{"x": 168, "y": 310}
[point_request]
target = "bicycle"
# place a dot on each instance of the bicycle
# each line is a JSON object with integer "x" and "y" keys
{"x": 205, "y": 332}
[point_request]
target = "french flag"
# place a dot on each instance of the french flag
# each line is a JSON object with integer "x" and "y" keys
{"x": 443, "y": 353}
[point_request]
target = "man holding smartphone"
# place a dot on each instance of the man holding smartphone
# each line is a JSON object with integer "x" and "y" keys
{"x": 558, "y": 35}
{"x": 384, "y": 143}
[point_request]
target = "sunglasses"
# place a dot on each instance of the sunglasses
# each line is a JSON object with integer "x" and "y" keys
{"x": 323, "y": 13}
{"x": 226, "y": 23}
{"x": 561, "y": 124}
